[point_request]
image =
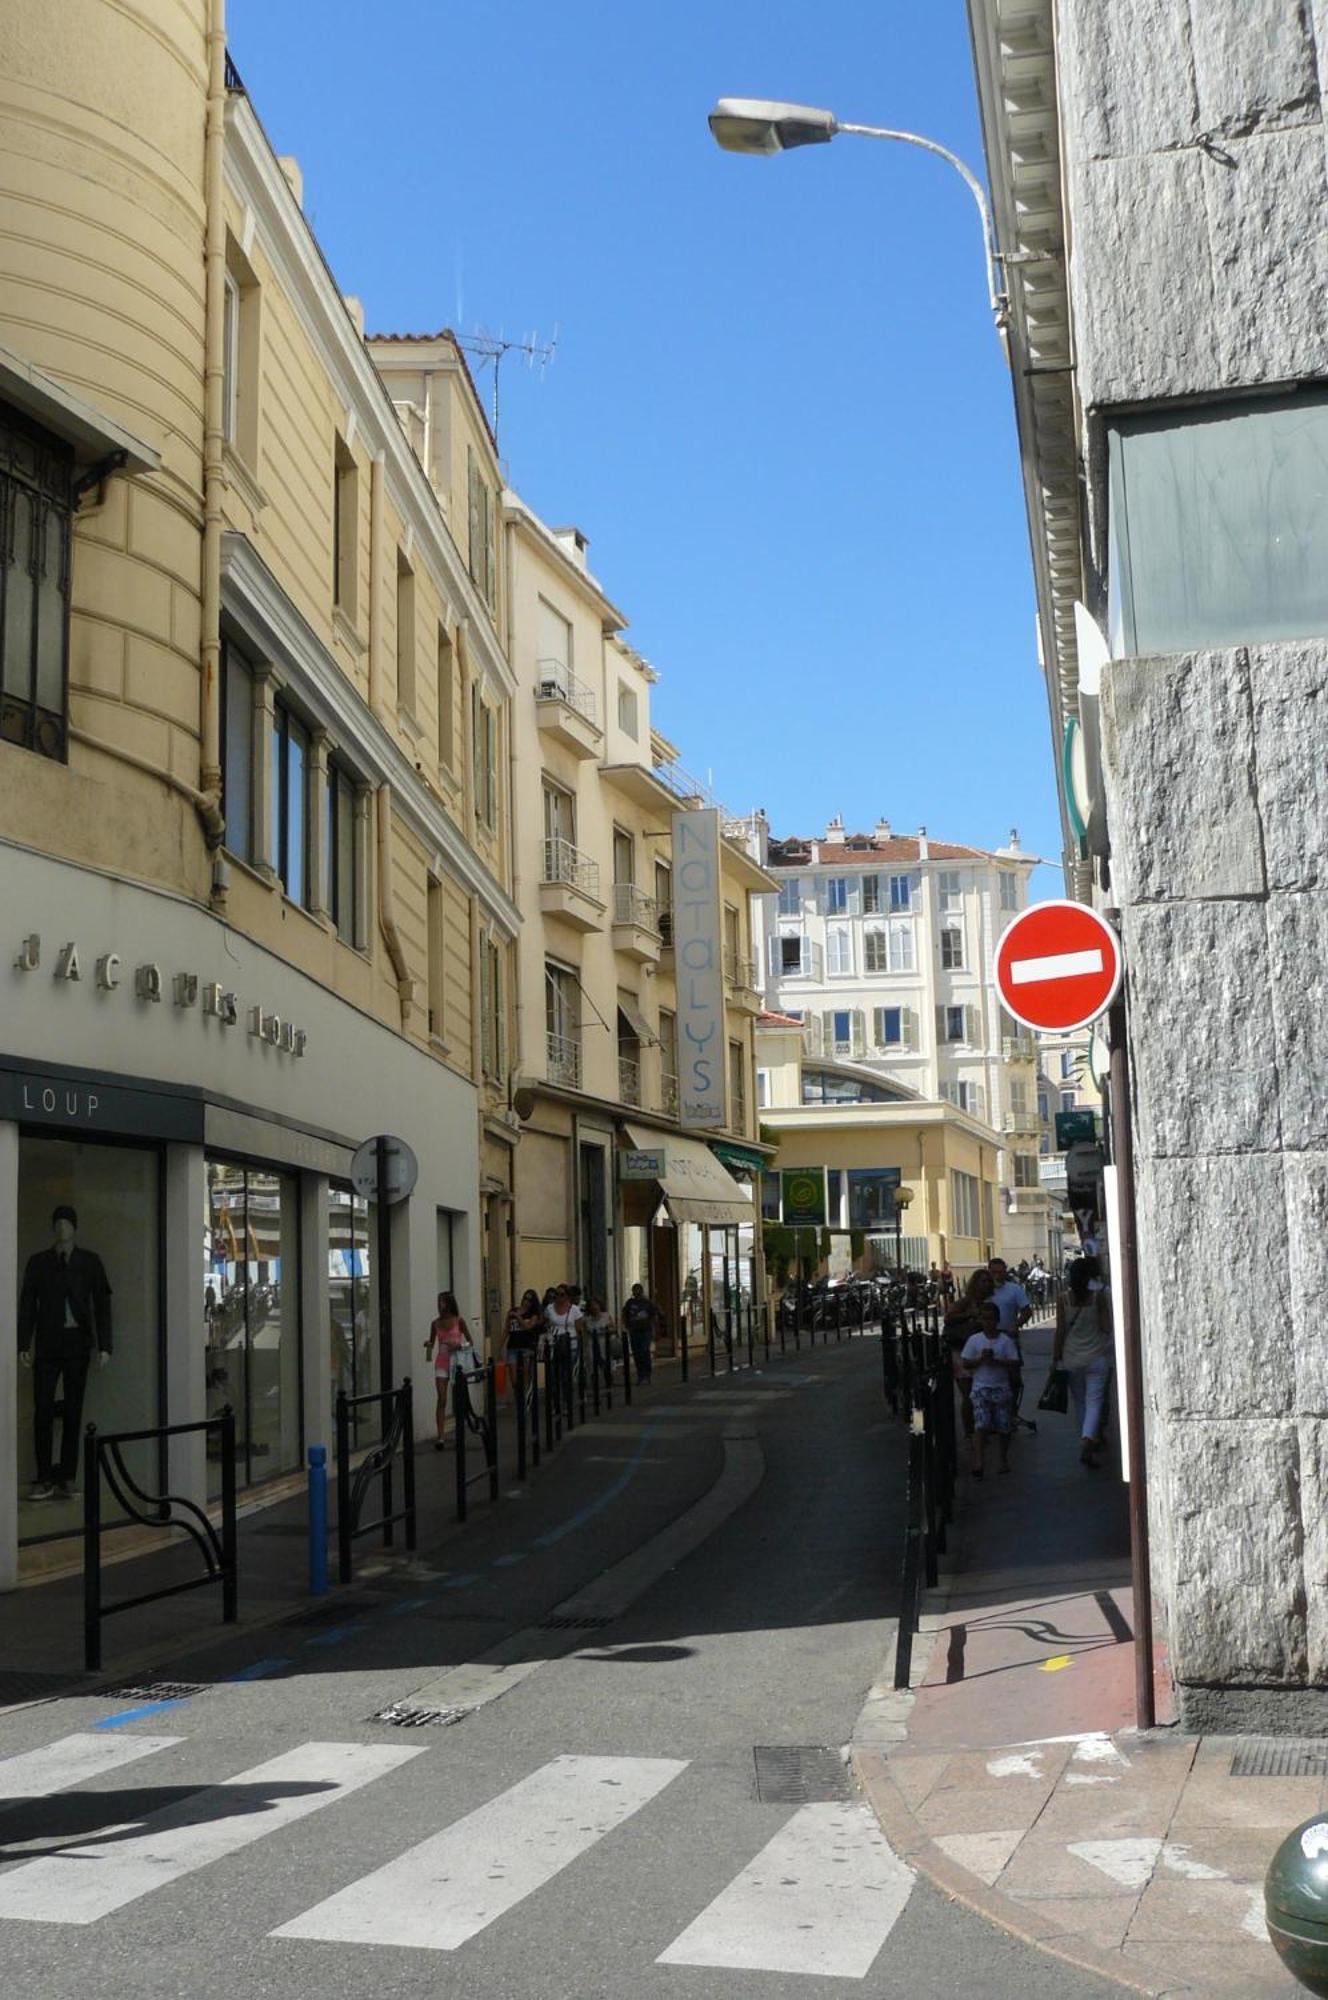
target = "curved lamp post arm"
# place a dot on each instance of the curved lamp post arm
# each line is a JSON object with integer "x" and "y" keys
{"x": 996, "y": 292}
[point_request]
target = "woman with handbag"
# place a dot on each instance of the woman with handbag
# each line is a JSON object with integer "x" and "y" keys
{"x": 448, "y": 1336}
{"x": 1084, "y": 1349}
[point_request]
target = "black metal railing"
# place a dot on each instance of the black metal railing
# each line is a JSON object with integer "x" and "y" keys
{"x": 467, "y": 1422}
{"x": 103, "y": 1459}
{"x": 925, "y": 1384}
{"x": 397, "y": 1410}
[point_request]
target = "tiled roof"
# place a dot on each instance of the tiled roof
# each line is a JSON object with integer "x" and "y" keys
{"x": 863, "y": 848}
{"x": 769, "y": 1020}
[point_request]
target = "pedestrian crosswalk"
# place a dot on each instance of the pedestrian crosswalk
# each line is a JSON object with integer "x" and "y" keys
{"x": 820, "y": 1896}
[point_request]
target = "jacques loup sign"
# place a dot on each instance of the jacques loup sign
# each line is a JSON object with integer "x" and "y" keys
{"x": 151, "y": 984}
{"x": 697, "y": 935}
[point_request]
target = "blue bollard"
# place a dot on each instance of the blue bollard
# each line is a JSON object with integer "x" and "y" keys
{"x": 317, "y": 1520}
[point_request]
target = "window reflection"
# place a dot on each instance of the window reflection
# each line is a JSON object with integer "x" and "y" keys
{"x": 251, "y": 1315}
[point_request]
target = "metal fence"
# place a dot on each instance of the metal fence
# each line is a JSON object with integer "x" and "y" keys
{"x": 396, "y": 1407}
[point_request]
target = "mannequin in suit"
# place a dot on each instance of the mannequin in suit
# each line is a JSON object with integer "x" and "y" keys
{"x": 64, "y": 1315}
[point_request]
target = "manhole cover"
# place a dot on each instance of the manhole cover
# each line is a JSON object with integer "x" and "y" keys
{"x": 800, "y": 1775}
{"x": 152, "y": 1691}
{"x": 402, "y": 1716}
{"x": 562, "y": 1624}
{"x": 1280, "y": 1757}
{"x": 17, "y": 1686}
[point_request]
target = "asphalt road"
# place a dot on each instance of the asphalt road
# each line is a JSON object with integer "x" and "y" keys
{"x": 592, "y": 1823}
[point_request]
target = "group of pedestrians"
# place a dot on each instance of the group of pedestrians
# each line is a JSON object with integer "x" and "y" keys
{"x": 982, "y": 1331}
{"x": 563, "y": 1311}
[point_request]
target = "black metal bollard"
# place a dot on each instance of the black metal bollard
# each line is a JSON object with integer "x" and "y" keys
{"x": 91, "y": 1551}
{"x": 491, "y": 1425}
{"x": 343, "y": 1488}
{"x": 581, "y": 1379}
{"x": 519, "y": 1391}
{"x": 460, "y": 1413}
{"x": 683, "y": 1344}
{"x": 534, "y": 1406}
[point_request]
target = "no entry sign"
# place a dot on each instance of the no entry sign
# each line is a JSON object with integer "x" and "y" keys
{"x": 1058, "y": 966}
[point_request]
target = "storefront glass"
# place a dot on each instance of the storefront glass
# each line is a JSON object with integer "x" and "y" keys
{"x": 114, "y": 1193}
{"x": 353, "y": 1351}
{"x": 251, "y": 1305}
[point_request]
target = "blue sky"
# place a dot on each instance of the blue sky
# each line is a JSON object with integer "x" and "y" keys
{"x": 777, "y": 407}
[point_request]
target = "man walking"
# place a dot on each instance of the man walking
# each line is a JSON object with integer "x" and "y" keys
{"x": 640, "y": 1317}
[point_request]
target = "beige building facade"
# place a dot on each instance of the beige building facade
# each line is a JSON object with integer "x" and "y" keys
{"x": 867, "y": 1134}
{"x": 254, "y": 752}
{"x": 593, "y": 812}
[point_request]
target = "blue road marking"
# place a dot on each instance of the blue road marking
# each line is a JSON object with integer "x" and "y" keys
{"x": 460, "y": 1582}
{"x": 259, "y": 1670}
{"x": 407, "y": 1604}
{"x": 336, "y": 1633}
{"x": 609, "y": 1494}
{"x": 137, "y": 1714}
{"x": 506, "y": 1562}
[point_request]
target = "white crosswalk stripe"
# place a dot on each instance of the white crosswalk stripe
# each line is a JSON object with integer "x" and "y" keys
{"x": 459, "y": 1881}
{"x": 72, "y": 1760}
{"x": 213, "y": 1823}
{"x": 821, "y": 1897}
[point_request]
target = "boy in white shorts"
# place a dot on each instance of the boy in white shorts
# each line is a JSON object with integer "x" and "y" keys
{"x": 991, "y": 1358}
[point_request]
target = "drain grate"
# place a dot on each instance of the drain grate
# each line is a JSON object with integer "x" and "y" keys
{"x": 563, "y": 1624}
{"x": 800, "y": 1775}
{"x": 152, "y": 1690}
{"x": 16, "y": 1686}
{"x": 400, "y": 1715}
{"x": 1280, "y": 1757}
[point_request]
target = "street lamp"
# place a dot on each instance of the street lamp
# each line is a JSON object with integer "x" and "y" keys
{"x": 903, "y": 1196}
{"x": 764, "y": 126}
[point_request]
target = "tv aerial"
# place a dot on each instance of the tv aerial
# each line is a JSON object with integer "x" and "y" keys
{"x": 492, "y": 349}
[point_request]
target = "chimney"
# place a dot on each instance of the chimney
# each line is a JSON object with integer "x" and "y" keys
{"x": 924, "y": 852}
{"x": 1014, "y": 838}
{"x": 835, "y": 830}
{"x": 882, "y": 830}
{"x": 573, "y": 543}
{"x": 290, "y": 166}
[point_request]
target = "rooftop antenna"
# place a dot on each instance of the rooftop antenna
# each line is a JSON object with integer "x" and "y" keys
{"x": 495, "y": 347}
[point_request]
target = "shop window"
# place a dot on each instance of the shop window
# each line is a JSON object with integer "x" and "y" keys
{"x": 114, "y": 1195}
{"x": 1218, "y": 532}
{"x": 251, "y": 1306}
{"x": 290, "y": 803}
{"x": 353, "y": 1307}
{"x": 36, "y": 514}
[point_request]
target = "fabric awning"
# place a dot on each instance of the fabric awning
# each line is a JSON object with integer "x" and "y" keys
{"x": 636, "y": 1021}
{"x": 745, "y": 1158}
{"x": 694, "y": 1184}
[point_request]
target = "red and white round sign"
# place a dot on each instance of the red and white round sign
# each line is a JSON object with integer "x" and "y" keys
{"x": 1058, "y": 966}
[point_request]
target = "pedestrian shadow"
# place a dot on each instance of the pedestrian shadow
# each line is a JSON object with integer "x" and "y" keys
{"x": 63, "y": 1822}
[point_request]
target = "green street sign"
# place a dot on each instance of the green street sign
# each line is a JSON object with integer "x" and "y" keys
{"x": 803, "y": 1193}
{"x": 1072, "y": 1126}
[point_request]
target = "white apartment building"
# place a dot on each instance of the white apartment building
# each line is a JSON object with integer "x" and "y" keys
{"x": 881, "y": 944}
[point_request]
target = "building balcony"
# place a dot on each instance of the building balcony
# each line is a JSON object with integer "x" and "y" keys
{"x": 740, "y": 980}
{"x": 565, "y": 709}
{"x": 569, "y": 886}
{"x": 636, "y": 930}
{"x": 563, "y": 1059}
{"x": 664, "y": 924}
{"x": 668, "y": 1094}
{"x": 1028, "y": 1200}
{"x": 629, "y": 1080}
{"x": 1019, "y": 1048}
{"x": 1022, "y": 1125}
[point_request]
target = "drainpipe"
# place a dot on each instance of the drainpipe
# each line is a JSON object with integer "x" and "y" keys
{"x": 214, "y": 469}
{"x": 377, "y": 519}
{"x": 387, "y": 910}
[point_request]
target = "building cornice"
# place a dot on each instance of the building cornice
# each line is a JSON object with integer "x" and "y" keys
{"x": 257, "y": 181}
{"x": 542, "y": 538}
{"x": 1014, "y": 53}
{"x": 259, "y": 608}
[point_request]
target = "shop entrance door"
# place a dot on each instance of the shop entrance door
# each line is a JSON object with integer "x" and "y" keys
{"x": 593, "y": 1248}
{"x": 664, "y": 1284}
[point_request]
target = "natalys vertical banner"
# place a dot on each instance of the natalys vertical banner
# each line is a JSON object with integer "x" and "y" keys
{"x": 697, "y": 930}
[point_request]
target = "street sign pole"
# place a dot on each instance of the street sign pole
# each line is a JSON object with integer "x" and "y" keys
{"x": 1141, "y": 1580}
{"x": 384, "y": 1253}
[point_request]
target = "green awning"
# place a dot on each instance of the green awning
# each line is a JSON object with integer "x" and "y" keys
{"x": 742, "y": 1157}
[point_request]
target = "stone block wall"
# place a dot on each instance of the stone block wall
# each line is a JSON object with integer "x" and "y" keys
{"x": 1196, "y": 177}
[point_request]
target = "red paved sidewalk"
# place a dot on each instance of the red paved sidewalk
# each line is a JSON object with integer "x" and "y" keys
{"x": 1012, "y": 1773}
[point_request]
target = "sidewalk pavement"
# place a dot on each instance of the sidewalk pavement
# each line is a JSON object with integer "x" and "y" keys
{"x": 1012, "y": 1774}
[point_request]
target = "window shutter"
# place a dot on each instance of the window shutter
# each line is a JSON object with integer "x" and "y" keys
{"x": 811, "y": 1028}
{"x": 859, "y": 1033}
{"x": 485, "y": 1056}
{"x": 855, "y": 895}
{"x": 878, "y": 1026}
{"x": 908, "y": 1021}
{"x": 475, "y": 519}
{"x": 804, "y": 955}
{"x": 940, "y": 1024}
{"x": 828, "y": 1031}
{"x": 980, "y": 1100}
{"x": 972, "y": 1027}
{"x": 772, "y": 952}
